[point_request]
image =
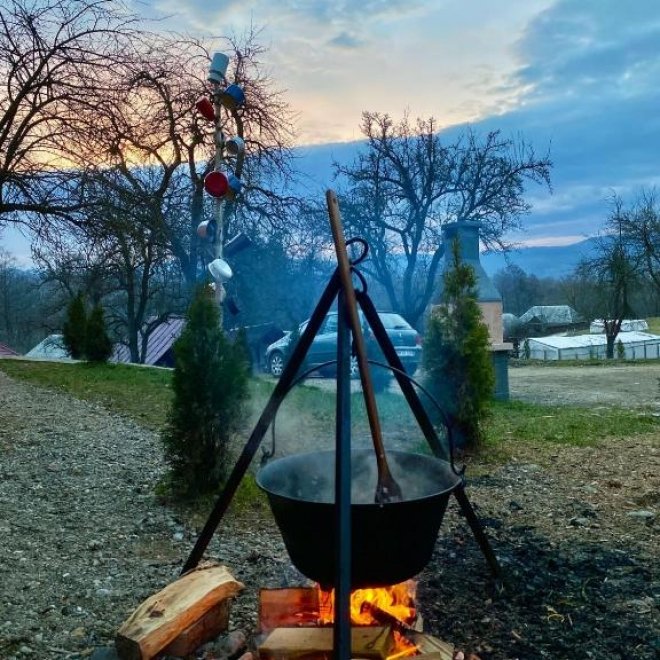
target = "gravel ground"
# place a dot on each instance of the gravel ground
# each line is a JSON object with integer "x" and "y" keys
{"x": 83, "y": 541}
{"x": 627, "y": 385}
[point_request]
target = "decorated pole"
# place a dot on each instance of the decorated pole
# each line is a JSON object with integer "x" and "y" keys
{"x": 221, "y": 183}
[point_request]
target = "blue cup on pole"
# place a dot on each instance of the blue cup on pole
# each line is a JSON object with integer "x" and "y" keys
{"x": 234, "y": 186}
{"x": 218, "y": 68}
{"x": 233, "y": 97}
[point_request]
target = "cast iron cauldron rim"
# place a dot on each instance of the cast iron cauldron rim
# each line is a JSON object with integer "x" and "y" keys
{"x": 456, "y": 480}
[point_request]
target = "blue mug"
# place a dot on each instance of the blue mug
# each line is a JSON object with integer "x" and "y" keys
{"x": 233, "y": 97}
{"x": 235, "y": 184}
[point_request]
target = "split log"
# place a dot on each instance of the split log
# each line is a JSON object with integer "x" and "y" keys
{"x": 374, "y": 643}
{"x": 214, "y": 622}
{"x": 161, "y": 618}
{"x": 288, "y": 608}
{"x": 431, "y": 647}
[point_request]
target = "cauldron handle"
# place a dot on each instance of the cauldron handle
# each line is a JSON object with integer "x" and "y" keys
{"x": 445, "y": 420}
{"x": 459, "y": 472}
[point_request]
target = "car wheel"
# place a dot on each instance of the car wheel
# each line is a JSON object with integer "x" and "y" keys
{"x": 276, "y": 364}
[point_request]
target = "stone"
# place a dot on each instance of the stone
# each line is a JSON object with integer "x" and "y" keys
{"x": 642, "y": 514}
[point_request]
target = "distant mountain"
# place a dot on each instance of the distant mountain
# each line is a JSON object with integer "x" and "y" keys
{"x": 555, "y": 261}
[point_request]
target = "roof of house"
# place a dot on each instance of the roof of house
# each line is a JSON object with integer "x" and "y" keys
{"x": 5, "y": 350}
{"x": 585, "y": 341}
{"x": 551, "y": 315}
{"x": 51, "y": 348}
{"x": 160, "y": 341}
{"x": 627, "y": 325}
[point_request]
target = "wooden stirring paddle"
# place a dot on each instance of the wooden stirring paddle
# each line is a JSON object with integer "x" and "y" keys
{"x": 387, "y": 489}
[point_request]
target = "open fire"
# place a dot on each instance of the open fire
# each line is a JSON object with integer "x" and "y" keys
{"x": 392, "y": 606}
{"x": 297, "y": 622}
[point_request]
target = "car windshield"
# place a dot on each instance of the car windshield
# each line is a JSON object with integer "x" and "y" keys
{"x": 394, "y": 322}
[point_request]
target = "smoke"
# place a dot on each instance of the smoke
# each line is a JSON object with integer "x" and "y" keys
{"x": 311, "y": 477}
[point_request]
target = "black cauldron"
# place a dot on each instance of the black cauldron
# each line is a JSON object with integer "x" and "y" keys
{"x": 390, "y": 543}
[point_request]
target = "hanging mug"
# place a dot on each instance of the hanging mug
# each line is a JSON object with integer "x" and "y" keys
{"x": 207, "y": 229}
{"x": 220, "y": 270}
{"x": 218, "y": 68}
{"x": 235, "y": 146}
{"x": 235, "y": 185}
{"x": 233, "y": 97}
{"x": 205, "y": 108}
{"x": 216, "y": 184}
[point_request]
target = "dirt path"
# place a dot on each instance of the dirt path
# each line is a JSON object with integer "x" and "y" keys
{"x": 625, "y": 385}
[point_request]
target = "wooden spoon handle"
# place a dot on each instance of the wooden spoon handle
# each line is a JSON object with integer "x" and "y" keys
{"x": 387, "y": 488}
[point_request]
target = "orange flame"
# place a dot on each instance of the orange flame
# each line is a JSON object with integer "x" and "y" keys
{"x": 377, "y": 607}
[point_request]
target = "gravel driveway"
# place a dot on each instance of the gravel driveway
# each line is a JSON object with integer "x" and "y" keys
{"x": 82, "y": 534}
{"x": 628, "y": 385}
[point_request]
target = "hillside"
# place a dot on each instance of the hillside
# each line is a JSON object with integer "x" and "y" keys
{"x": 555, "y": 261}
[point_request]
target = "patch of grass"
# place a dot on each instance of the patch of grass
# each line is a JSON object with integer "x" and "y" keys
{"x": 249, "y": 499}
{"x": 525, "y": 422}
{"x": 141, "y": 393}
{"x": 144, "y": 394}
{"x": 511, "y": 420}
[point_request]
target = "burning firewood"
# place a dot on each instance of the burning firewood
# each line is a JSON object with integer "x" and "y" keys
{"x": 374, "y": 643}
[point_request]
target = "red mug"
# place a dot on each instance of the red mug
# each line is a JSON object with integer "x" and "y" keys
{"x": 216, "y": 184}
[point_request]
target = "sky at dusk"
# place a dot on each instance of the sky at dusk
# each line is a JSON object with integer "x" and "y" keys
{"x": 580, "y": 77}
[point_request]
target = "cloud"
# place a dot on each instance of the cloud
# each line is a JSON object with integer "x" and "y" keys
{"x": 346, "y": 40}
{"x": 348, "y": 11}
{"x": 595, "y": 47}
{"x": 201, "y": 15}
{"x": 588, "y": 87}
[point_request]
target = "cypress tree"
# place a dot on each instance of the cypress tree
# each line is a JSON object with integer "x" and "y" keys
{"x": 210, "y": 384}
{"x": 98, "y": 346}
{"x": 456, "y": 357}
{"x": 75, "y": 328}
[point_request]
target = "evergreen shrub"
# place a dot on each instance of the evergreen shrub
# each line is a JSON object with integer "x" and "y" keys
{"x": 75, "y": 328}
{"x": 210, "y": 384}
{"x": 456, "y": 358}
{"x": 98, "y": 346}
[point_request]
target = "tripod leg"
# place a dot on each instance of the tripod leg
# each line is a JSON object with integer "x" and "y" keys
{"x": 477, "y": 531}
{"x": 276, "y": 398}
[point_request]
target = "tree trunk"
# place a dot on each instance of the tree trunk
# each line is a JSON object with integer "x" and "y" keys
{"x": 610, "y": 346}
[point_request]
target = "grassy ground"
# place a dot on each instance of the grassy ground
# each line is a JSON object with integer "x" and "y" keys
{"x": 307, "y": 416}
{"x": 144, "y": 395}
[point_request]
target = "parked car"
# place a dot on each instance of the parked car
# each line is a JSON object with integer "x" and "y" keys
{"x": 406, "y": 341}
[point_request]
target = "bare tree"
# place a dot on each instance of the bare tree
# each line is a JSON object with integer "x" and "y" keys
{"x": 117, "y": 253}
{"x": 640, "y": 227}
{"x": 24, "y": 305}
{"x": 407, "y": 183}
{"x": 56, "y": 63}
{"x": 610, "y": 275}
